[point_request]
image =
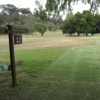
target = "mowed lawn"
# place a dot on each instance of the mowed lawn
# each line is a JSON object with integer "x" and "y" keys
{"x": 55, "y": 67}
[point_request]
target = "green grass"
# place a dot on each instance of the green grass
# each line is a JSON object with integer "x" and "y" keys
{"x": 54, "y": 73}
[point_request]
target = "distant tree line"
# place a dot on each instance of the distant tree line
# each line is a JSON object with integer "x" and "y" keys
{"x": 24, "y": 19}
{"x": 82, "y": 23}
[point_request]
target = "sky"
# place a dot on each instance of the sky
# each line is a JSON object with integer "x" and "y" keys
{"x": 31, "y": 4}
{"x": 20, "y": 3}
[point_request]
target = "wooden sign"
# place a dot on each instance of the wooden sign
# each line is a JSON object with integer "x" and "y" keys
{"x": 17, "y": 39}
{"x": 16, "y": 33}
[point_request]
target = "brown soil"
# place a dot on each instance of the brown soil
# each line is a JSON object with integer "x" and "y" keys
{"x": 43, "y": 42}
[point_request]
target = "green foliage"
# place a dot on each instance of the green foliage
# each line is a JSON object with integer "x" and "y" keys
{"x": 90, "y": 25}
{"x": 20, "y": 27}
{"x": 2, "y": 19}
{"x": 54, "y": 22}
{"x": 25, "y": 20}
{"x": 25, "y": 11}
{"x": 40, "y": 13}
{"x": 65, "y": 5}
{"x": 2, "y": 29}
{"x": 68, "y": 26}
{"x": 97, "y": 21}
{"x": 40, "y": 28}
{"x": 52, "y": 27}
{"x": 10, "y": 13}
{"x": 79, "y": 23}
{"x": 84, "y": 22}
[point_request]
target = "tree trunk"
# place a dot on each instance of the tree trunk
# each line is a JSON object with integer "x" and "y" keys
{"x": 78, "y": 34}
{"x": 92, "y": 34}
{"x": 86, "y": 34}
{"x": 41, "y": 34}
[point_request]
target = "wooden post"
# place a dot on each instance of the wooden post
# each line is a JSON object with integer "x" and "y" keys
{"x": 12, "y": 57}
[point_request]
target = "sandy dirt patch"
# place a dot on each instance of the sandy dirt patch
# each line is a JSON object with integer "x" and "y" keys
{"x": 29, "y": 42}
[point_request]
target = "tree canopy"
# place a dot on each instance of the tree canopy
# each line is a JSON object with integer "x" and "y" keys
{"x": 24, "y": 19}
{"x": 61, "y": 5}
{"x": 85, "y": 23}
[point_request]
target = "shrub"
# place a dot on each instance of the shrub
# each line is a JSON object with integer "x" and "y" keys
{"x": 40, "y": 28}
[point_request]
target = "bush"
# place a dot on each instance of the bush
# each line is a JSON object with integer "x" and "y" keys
{"x": 2, "y": 29}
{"x": 40, "y": 28}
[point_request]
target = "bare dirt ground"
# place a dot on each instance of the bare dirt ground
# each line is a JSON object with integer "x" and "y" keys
{"x": 54, "y": 42}
{"x": 50, "y": 39}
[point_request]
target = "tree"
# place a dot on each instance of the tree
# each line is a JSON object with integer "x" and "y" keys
{"x": 2, "y": 19}
{"x": 68, "y": 26}
{"x": 2, "y": 29}
{"x": 81, "y": 23}
{"x": 69, "y": 15}
{"x": 40, "y": 28}
{"x": 30, "y": 21}
{"x": 97, "y": 22}
{"x": 54, "y": 22}
{"x": 8, "y": 9}
{"x": 84, "y": 22}
{"x": 40, "y": 13}
{"x": 10, "y": 12}
{"x": 61, "y": 5}
{"x": 90, "y": 25}
{"x": 24, "y": 11}
{"x": 13, "y": 13}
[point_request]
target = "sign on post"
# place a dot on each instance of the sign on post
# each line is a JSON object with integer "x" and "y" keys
{"x": 17, "y": 40}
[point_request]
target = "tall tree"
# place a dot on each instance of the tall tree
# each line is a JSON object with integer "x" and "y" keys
{"x": 24, "y": 11}
{"x": 90, "y": 25}
{"x": 39, "y": 12}
{"x": 97, "y": 22}
{"x": 68, "y": 26}
{"x": 61, "y": 5}
{"x": 81, "y": 23}
{"x": 69, "y": 15}
{"x": 30, "y": 21}
{"x": 8, "y": 9}
{"x": 2, "y": 19}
